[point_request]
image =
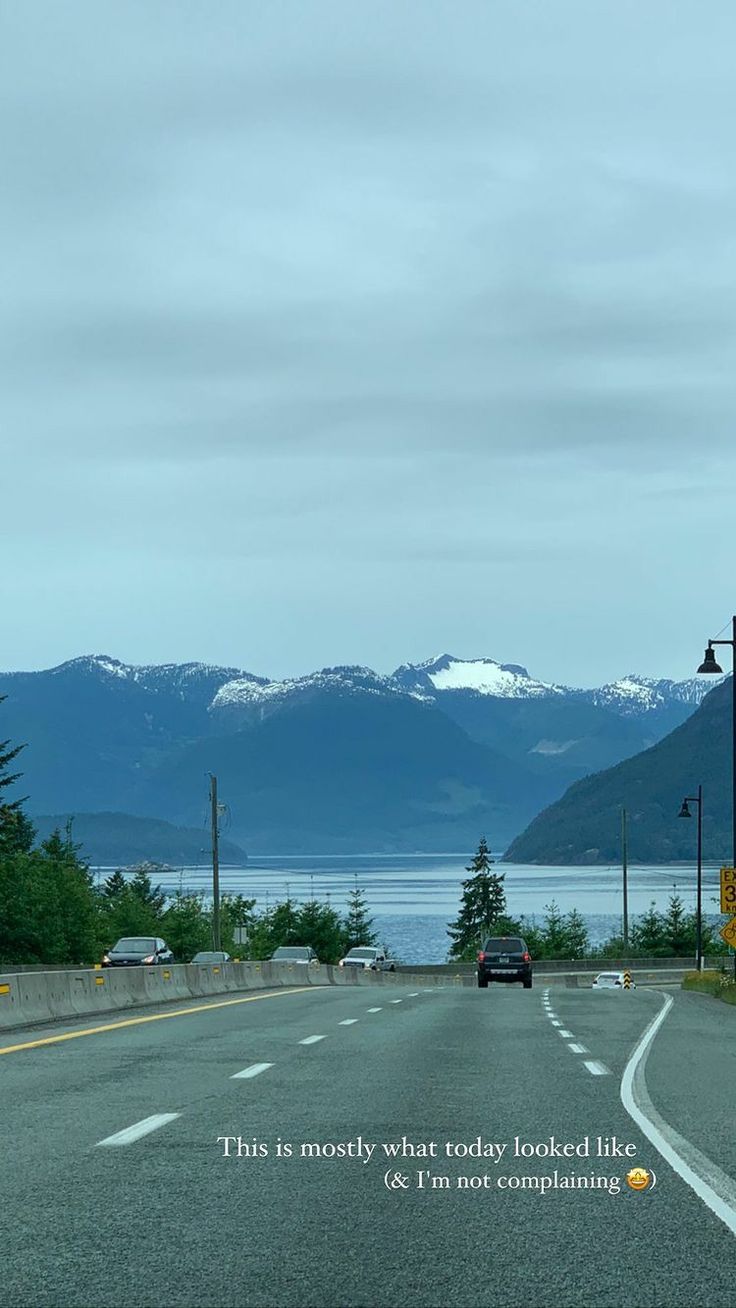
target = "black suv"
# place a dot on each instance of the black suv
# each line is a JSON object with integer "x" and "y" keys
{"x": 505, "y": 958}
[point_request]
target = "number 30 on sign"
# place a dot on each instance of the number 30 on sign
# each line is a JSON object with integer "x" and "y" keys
{"x": 728, "y": 890}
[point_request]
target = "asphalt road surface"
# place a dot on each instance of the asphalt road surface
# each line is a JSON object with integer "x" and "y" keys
{"x": 116, "y": 1188}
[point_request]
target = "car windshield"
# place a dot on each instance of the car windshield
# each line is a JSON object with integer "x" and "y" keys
{"x": 296, "y": 951}
{"x": 504, "y": 945}
{"x": 610, "y": 977}
{"x": 134, "y": 945}
{"x": 362, "y": 953}
{"x": 211, "y": 957}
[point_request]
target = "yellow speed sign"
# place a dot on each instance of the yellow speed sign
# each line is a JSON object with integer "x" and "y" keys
{"x": 728, "y": 890}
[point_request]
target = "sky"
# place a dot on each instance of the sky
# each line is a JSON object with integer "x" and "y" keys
{"x": 339, "y": 332}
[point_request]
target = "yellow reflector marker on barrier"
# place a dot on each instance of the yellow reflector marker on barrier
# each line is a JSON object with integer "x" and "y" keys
{"x": 4, "y": 989}
{"x": 97, "y": 966}
{"x": 215, "y": 969}
{"x": 167, "y": 975}
{"x": 99, "y": 980}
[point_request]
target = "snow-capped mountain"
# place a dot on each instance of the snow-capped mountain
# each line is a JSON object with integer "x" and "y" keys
{"x": 247, "y": 690}
{"x": 482, "y": 676}
{"x": 634, "y": 695}
{"x": 453, "y": 738}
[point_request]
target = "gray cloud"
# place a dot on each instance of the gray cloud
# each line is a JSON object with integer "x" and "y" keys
{"x": 385, "y": 327}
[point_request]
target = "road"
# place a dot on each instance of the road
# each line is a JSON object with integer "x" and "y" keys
{"x": 160, "y": 1215}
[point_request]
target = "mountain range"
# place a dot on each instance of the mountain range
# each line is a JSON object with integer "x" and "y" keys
{"x": 340, "y": 760}
{"x": 584, "y": 825}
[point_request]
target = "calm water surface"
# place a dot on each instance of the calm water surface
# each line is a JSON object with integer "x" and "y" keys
{"x": 413, "y": 897}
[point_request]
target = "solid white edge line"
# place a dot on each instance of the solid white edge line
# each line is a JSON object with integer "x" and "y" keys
{"x": 255, "y": 1069}
{"x": 138, "y": 1129}
{"x": 595, "y": 1068}
{"x": 717, "y": 1192}
{"x": 348, "y": 1021}
{"x": 312, "y": 1040}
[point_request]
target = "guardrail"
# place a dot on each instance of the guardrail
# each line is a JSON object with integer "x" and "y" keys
{"x": 30, "y": 998}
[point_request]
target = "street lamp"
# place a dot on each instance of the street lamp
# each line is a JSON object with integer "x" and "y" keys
{"x": 685, "y": 813}
{"x": 709, "y": 666}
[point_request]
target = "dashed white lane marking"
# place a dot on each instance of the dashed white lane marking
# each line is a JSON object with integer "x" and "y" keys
{"x": 577, "y": 1049}
{"x": 255, "y": 1069}
{"x": 709, "y": 1182}
{"x": 311, "y": 1040}
{"x": 556, "y": 1023}
{"x": 413, "y": 994}
{"x": 373, "y": 1010}
{"x": 566, "y": 1035}
{"x": 396, "y": 1001}
{"x": 348, "y": 1021}
{"x": 138, "y": 1129}
{"x": 595, "y": 1068}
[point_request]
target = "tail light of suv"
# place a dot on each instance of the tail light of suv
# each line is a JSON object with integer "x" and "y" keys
{"x": 481, "y": 956}
{"x": 527, "y": 957}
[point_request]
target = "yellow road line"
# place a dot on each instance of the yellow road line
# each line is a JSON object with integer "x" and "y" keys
{"x": 151, "y": 1017}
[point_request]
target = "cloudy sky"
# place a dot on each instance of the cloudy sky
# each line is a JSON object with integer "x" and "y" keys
{"x": 341, "y": 332}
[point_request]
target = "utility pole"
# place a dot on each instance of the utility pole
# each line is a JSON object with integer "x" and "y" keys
{"x": 625, "y": 875}
{"x": 215, "y": 864}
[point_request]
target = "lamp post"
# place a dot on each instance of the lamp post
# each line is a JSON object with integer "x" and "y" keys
{"x": 685, "y": 813}
{"x": 709, "y": 666}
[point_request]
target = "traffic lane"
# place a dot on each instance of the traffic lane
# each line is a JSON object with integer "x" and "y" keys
{"x": 55, "y": 1095}
{"x": 691, "y": 1074}
{"x": 171, "y": 1213}
{"x": 607, "y": 1022}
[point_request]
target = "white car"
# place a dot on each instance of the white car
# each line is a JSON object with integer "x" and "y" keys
{"x": 610, "y": 980}
{"x": 376, "y": 960}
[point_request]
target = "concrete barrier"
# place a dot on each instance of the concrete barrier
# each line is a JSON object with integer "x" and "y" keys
{"x": 31, "y": 998}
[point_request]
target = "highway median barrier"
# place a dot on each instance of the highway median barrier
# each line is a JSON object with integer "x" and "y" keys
{"x": 32, "y": 998}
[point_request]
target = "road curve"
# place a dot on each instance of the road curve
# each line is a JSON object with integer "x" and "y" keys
{"x": 116, "y": 1185}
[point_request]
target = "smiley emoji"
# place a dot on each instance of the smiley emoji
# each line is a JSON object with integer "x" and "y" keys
{"x": 638, "y": 1178}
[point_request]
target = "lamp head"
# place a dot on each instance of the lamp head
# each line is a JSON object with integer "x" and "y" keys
{"x": 709, "y": 662}
{"x": 684, "y": 811}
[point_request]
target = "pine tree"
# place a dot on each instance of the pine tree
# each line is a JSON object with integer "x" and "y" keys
{"x": 16, "y": 831}
{"x": 358, "y": 925}
{"x": 482, "y": 906}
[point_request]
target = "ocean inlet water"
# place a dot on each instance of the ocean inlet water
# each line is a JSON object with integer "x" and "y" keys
{"x": 412, "y": 898}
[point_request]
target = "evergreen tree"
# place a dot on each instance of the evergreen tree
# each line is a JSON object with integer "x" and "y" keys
{"x": 358, "y": 925}
{"x": 141, "y": 887}
{"x": 236, "y": 911}
{"x": 482, "y": 906}
{"x": 114, "y": 886}
{"x": 647, "y": 934}
{"x": 186, "y": 926}
{"x": 320, "y": 926}
{"x": 16, "y": 830}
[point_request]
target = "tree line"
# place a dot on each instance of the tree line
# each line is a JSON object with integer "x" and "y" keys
{"x": 483, "y": 913}
{"x": 53, "y": 911}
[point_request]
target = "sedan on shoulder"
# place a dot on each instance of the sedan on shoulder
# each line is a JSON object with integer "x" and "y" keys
{"x": 302, "y": 954}
{"x": 610, "y": 980}
{"x": 136, "y": 951}
{"x": 505, "y": 958}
